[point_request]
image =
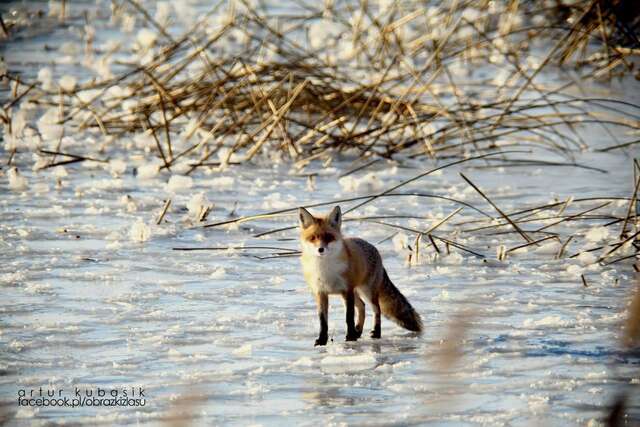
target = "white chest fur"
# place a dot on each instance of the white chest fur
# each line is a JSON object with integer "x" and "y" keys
{"x": 325, "y": 274}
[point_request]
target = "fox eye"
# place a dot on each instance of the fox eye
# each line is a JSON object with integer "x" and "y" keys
{"x": 314, "y": 238}
{"x": 328, "y": 238}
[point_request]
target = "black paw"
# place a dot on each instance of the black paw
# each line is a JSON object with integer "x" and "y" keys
{"x": 321, "y": 341}
{"x": 352, "y": 336}
{"x": 358, "y": 332}
{"x": 376, "y": 334}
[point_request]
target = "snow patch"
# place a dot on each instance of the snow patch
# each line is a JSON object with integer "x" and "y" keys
{"x": 347, "y": 363}
{"x": 140, "y": 232}
{"x": 548, "y": 321}
{"x": 179, "y": 182}
{"x": 597, "y": 234}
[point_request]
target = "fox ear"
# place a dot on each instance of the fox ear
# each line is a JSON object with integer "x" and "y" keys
{"x": 335, "y": 217}
{"x": 306, "y": 219}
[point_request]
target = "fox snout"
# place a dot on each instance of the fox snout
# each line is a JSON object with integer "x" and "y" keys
{"x": 323, "y": 249}
{"x": 319, "y": 247}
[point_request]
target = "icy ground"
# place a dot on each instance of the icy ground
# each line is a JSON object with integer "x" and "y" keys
{"x": 85, "y": 304}
{"x": 93, "y": 295}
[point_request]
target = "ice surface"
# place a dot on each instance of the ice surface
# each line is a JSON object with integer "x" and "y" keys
{"x": 92, "y": 292}
{"x": 117, "y": 306}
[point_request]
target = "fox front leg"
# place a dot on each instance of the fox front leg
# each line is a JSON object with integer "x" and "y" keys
{"x": 349, "y": 299}
{"x": 322, "y": 301}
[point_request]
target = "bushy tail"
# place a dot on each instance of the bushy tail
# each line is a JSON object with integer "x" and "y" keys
{"x": 396, "y": 307}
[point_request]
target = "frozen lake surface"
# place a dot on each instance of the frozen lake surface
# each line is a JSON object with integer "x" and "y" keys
{"x": 226, "y": 336}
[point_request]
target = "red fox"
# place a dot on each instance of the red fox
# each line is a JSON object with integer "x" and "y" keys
{"x": 352, "y": 268}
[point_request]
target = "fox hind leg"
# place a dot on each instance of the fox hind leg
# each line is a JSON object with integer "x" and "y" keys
{"x": 376, "y": 332}
{"x": 360, "y": 308}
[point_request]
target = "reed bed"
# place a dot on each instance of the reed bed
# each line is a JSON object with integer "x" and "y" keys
{"x": 371, "y": 80}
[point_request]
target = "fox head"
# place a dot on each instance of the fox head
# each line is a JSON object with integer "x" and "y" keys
{"x": 321, "y": 236}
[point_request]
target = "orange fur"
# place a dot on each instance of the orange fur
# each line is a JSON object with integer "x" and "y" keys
{"x": 353, "y": 268}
